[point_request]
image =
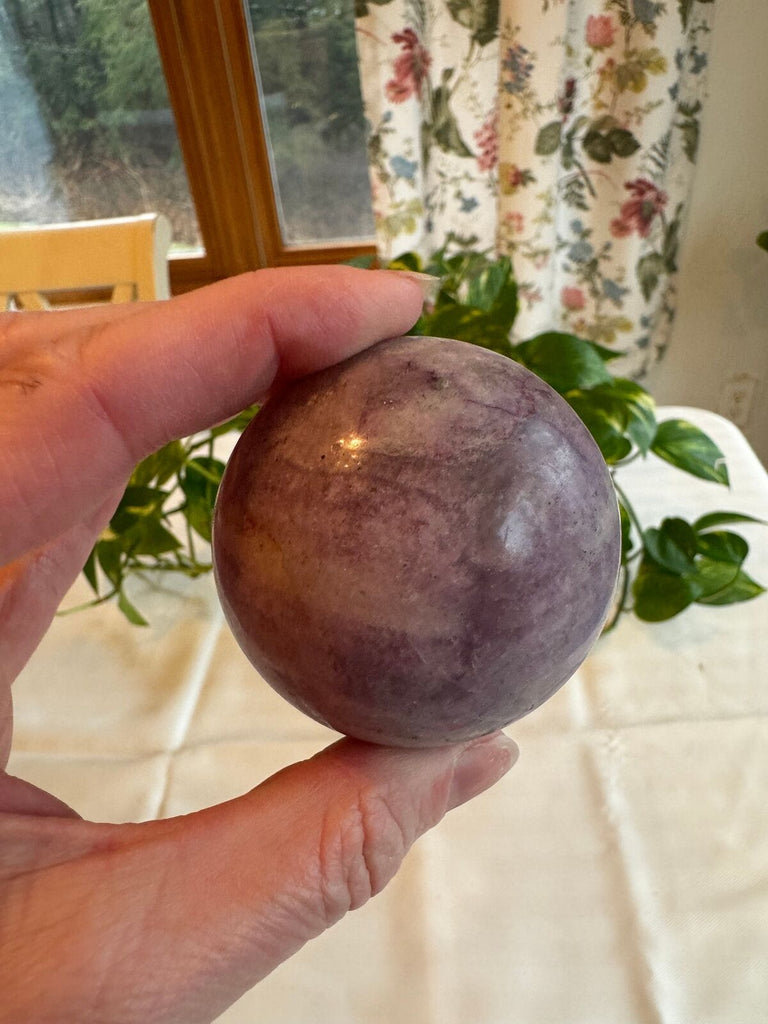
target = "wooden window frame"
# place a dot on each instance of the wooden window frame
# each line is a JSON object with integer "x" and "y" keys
{"x": 205, "y": 49}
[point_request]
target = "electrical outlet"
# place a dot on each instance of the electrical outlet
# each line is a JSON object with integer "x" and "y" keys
{"x": 736, "y": 398}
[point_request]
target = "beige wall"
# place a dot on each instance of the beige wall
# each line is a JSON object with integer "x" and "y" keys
{"x": 718, "y": 354}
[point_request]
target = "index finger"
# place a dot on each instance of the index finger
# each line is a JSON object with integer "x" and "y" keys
{"x": 77, "y": 414}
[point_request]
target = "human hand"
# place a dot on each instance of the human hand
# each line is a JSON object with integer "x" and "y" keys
{"x": 173, "y": 920}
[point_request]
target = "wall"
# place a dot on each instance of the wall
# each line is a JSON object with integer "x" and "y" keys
{"x": 718, "y": 354}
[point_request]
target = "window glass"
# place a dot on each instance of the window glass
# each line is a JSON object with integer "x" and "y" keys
{"x": 87, "y": 127}
{"x": 306, "y": 62}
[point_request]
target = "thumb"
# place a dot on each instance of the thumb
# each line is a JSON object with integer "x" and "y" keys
{"x": 189, "y": 913}
{"x": 287, "y": 861}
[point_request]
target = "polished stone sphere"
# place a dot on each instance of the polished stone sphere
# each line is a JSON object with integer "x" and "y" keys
{"x": 418, "y": 545}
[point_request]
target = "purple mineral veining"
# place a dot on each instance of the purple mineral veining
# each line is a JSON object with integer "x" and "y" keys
{"x": 419, "y": 545}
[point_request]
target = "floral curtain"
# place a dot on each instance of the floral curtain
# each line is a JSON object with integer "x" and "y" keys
{"x": 563, "y": 133}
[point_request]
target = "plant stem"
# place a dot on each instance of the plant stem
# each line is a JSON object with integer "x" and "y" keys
{"x": 195, "y": 467}
{"x": 627, "y": 505}
{"x": 89, "y": 604}
{"x": 624, "y": 571}
{"x": 585, "y": 177}
{"x": 629, "y": 458}
{"x": 195, "y": 446}
{"x": 619, "y": 608}
{"x": 191, "y": 542}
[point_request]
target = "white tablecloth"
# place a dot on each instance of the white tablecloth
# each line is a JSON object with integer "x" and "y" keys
{"x": 618, "y": 875}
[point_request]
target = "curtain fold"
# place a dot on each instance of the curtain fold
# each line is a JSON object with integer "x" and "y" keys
{"x": 563, "y": 134}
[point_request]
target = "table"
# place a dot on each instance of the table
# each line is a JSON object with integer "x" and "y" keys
{"x": 618, "y": 874}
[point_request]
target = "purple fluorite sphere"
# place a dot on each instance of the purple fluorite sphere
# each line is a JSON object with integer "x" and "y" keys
{"x": 419, "y": 545}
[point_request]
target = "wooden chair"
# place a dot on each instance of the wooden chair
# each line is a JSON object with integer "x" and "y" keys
{"x": 119, "y": 260}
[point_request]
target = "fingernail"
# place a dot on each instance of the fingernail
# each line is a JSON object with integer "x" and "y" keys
{"x": 429, "y": 284}
{"x": 480, "y": 764}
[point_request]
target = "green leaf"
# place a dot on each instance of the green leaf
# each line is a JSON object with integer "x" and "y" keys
{"x": 685, "y": 7}
{"x": 138, "y": 497}
{"x": 622, "y": 142}
{"x": 200, "y": 483}
{"x": 480, "y": 17}
{"x": 361, "y": 6}
{"x": 606, "y": 421}
{"x": 364, "y": 262}
{"x": 710, "y": 577}
{"x": 642, "y": 426}
{"x": 672, "y": 546}
{"x": 407, "y": 261}
{"x": 597, "y": 147}
{"x": 608, "y": 431}
{"x": 690, "y": 449}
{"x": 199, "y": 515}
{"x": 762, "y": 240}
{"x": 146, "y": 470}
{"x": 89, "y": 571}
{"x": 723, "y": 546}
{"x": 690, "y": 131}
{"x": 237, "y": 424}
{"x": 712, "y": 519}
{"x": 671, "y": 243}
{"x": 109, "y": 554}
{"x": 444, "y": 128}
{"x": 477, "y": 302}
{"x": 130, "y": 611}
{"x": 574, "y": 193}
{"x": 564, "y": 361}
{"x": 604, "y": 123}
{"x": 658, "y": 594}
{"x": 172, "y": 458}
{"x": 742, "y": 588}
{"x": 626, "y": 533}
{"x": 707, "y": 567}
{"x": 136, "y": 503}
{"x": 160, "y": 466}
{"x": 652, "y": 59}
{"x": 149, "y": 537}
{"x": 631, "y": 406}
{"x": 649, "y": 270}
{"x": 488, "y": 289}
{"x": 548, "y": 139}
{"x": 618, "y": 414}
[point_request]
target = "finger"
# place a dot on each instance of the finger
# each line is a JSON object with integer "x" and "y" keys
{"x": 211, "y": 353}
{"x": 32, "y": 588}
{"x": 190, "y": 913}
{"x": 17, "y": 796}
{"x": 77, "y": 415}
{"x": 24, "y": 332}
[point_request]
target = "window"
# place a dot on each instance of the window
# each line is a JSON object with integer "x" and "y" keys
{"x": 306, "y": 63}
{"x": 87, "y": 126}
{"x": 206, "y": 47}
{"x": 208, "y": 115}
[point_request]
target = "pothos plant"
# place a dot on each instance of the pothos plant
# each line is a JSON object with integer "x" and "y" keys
{"x": 163, "y": 522}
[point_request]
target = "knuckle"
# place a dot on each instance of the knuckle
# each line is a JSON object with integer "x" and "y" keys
{"x": 361, "y": 848}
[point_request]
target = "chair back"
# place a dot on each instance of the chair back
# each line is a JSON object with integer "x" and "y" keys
{"x": 124, "y": 259}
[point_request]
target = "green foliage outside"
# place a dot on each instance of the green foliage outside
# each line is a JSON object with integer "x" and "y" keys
{"x": 306, "y": 53}
{"x": 94, "y": 65}
{"x": 84, "y": 79}
{"x": 307, "y": 64}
